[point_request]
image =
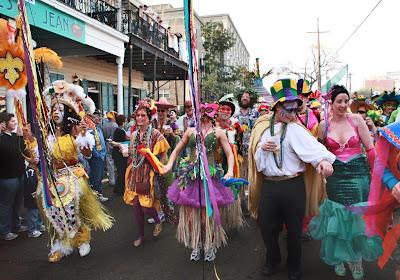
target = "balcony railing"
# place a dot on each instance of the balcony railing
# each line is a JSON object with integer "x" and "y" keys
{"x": 148, "y": 29}
{"x": 97, "y": 9}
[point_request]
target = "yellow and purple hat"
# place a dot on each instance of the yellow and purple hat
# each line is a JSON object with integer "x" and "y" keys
{"x": 285, "y": 90}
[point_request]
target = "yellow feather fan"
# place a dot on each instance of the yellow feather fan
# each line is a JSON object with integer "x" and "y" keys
{"x": 48, "y": 56}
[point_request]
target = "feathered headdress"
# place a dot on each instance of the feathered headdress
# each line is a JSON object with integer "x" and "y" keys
{"x": 68, "y": 94}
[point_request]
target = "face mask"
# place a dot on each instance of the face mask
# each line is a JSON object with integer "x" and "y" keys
{"x": 209, "y": 110}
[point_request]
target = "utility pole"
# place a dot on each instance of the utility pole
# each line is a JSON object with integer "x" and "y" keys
{"x": 318, "y": 54}
{"x": 350, "y": 82}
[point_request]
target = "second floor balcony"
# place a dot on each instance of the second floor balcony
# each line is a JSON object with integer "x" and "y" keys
{"x": 145, "y": 27}
{"x": 103, "y": 11}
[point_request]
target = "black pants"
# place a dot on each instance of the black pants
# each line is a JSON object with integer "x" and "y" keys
{"x": 121, "y": 164}
{"x": 282, "y": 202}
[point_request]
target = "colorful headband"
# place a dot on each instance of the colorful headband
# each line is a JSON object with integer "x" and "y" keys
{"x": 209, "y": 109}
{"x": 148, "y": 105}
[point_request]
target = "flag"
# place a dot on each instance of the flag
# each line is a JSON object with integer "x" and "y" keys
{"x": 336, "y": 79}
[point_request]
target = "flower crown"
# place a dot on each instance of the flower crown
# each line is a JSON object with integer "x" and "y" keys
{"x": 147, "y": 104}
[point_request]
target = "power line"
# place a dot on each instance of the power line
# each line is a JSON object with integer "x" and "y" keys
{"x": 358, "y": 27}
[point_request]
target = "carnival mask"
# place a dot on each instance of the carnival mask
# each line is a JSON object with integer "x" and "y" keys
{"x": 209, "y": 109}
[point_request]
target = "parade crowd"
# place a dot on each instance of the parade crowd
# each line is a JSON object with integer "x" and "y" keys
{"x": 307, "y": 165}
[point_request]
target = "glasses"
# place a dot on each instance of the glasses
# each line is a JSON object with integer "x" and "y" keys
{"x": 225, "y": 110}
{"x": 361, "y": 112}
{"x": 291, "y": 110}
{"x": 160, "y": 110}
{"x": 141, "y": 115}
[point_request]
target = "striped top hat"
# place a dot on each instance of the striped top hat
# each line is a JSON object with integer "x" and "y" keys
{"x": 285, "y": 90}
{"x": 303, "y": 87}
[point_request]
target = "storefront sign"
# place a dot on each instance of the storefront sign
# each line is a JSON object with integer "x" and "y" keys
{"x": 47, "y": 17}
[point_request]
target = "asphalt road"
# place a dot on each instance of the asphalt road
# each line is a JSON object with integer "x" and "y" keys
{"x": 114, "y": 257}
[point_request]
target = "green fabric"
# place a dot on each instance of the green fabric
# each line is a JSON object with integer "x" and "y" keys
{"x": 349, "y": 183}
{"x": 342, "y": 232}
{"x": 393, "y": 116}
{"x": 210, "y": 142}
{"x": 343, "y": 235}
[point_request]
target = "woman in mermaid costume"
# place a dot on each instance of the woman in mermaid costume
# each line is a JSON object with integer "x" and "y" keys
{"x": 70, "y": 207}
{"x": 343, "y": 232}
{"x": 195, "y": 230}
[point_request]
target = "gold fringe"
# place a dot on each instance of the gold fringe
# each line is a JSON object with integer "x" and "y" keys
{"x": 93, "y": 214}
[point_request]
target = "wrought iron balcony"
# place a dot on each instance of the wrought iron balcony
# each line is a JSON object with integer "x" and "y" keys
{"x": 148, "y": 29}
{"x": 97, "y": 9}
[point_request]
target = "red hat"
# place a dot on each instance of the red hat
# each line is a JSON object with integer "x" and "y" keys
{"x": 164, "y": 103}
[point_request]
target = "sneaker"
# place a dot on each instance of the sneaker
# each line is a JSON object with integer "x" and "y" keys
{"x": 340, "y": 270}
{"x": 35, "y": 234}
{"x": 84, "y": 249}
{"x": 161, "y": 216}
{"x": 210, "y": 255}
{"x": 9, "y": 236}
{"x": 357, "y": 270}
{"x": 195, "y": 255}
{"x": 42, "y": 228}
{"x": 21, "y": 228}
{"x": 102, "y": 198}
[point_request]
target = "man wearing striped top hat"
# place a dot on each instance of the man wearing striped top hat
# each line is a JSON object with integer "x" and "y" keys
{"x": 286, "y": 169}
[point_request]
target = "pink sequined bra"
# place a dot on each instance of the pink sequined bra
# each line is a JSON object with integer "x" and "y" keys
{"x": 347, "y": 150}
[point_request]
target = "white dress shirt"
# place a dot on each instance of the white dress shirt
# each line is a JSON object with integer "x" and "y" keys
{"x": 299, "y": 147}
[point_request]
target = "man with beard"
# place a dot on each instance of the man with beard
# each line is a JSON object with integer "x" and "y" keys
{"x": 246, "y": 117}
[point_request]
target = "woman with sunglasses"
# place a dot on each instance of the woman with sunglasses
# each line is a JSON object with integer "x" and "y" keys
{"x": 195, "y": 229}
{"x": 345, "y": 135}
{"x": 361, "y": 107}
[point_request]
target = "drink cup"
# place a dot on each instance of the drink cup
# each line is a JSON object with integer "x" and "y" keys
{"x": 277, "y": 140}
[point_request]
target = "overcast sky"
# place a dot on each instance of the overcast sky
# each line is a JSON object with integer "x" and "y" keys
{"x": 276, "y": 31}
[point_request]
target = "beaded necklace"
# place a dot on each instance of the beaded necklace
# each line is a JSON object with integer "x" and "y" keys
{"x": 283, "y": 135}
{"x": 137, "y": 160}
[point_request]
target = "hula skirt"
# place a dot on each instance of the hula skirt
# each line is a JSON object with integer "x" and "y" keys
{"x": 342, "y": 232}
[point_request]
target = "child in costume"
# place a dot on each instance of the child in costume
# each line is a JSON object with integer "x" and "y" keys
{"x": 196, "y": 230}
{"x": 70, "y": 207}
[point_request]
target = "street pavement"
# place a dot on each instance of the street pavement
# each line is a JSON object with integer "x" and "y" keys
{"x": 114, "y": 257}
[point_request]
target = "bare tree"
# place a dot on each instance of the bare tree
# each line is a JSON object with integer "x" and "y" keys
{"x": 329, "y": 63}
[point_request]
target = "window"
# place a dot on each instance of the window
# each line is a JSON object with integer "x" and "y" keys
{"x": 55, "y": 77}
{"x": 164, "y": 93}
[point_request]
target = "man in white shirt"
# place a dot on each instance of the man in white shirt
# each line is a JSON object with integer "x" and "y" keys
{"x": 280, "y": 156}
{"x": 188, "y": 119}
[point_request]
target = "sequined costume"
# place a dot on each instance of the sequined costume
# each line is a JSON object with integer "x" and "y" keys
{"x": 342, "y": 232}
{"x": 185, "y": 192}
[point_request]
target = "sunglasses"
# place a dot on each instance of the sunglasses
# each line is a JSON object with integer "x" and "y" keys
{"x": 361, "y": 112}
{"x": 160, "y": 110}
{"x": 141, "y": 115}
{"x": 291, "y": 110}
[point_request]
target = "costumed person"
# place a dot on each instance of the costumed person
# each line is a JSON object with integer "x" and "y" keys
{"x": 345, "y": 135}
{"x": 187, "y": 119}
{"x": 374, "y": 96}
{"x": 246, "y": 117}
{"x": 388, "y": 103}
{"x": 361, "y": 107}
{"x": 263, "y": 109}
{"x": 98, "y": 160}
{"x": 163, "y": 124}
{"x": 70, "y": 207}
{"x": 307, "y": 117}
{"x": 195, "y": 230}
{"x": 141, "y": 190}
{"x": 383, "y": 214}
{"x": 280, "y": 152}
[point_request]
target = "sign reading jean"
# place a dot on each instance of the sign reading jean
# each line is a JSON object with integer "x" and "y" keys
{"x": 48, "y": 18}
